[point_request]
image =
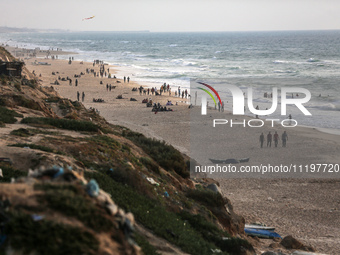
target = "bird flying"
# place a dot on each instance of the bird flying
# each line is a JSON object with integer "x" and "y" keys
{"x": 88, "y": 18}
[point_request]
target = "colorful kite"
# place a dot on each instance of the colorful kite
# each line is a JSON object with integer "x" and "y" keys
{"x": 88, "y": 18}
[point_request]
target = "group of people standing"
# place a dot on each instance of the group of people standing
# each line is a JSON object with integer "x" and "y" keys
{"x": 82, "y": 96}
{"x": 274, "y": 137}
{"x": 184, "y": 93}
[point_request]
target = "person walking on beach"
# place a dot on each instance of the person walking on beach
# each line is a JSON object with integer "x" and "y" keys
{"x": 76, "y": 82}
{"x": 276, "y": 138}
{"x": 83, "y": 96}
{"x": 284, "y": 138}
{"x": 261, "y": 139}
{"x": 124, "y": 79}
{"x": 179, "y": 91}
{"x": 128, "y": 79}
{"x": 269, "y": 139}
{"x": 290, "y": 119}
{"x": 78, "y": 95}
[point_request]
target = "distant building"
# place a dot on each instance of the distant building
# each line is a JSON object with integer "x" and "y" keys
{"x": 11, "y": 68}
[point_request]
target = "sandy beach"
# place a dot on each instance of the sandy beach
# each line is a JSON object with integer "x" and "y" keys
{"x": 308, "y": 209}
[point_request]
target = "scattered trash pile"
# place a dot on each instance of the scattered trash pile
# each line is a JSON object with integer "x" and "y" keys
{"x": 86, "y": 212}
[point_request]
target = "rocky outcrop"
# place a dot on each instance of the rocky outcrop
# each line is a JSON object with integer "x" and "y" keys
{"x": 289, "y": 242}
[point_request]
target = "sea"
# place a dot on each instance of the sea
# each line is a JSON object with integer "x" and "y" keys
{"x": 262, "y": 60}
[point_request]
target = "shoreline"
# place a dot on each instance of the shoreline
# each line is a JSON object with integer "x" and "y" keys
{"x": 293, "y": 205}
{"x": 127, "y": 71}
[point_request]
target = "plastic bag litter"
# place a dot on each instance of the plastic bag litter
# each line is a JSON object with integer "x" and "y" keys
{"x": 152, "y": 181}
{"x": 37, "y": 217}
{"x": 60, "y": 171}
{"x": 92, "y": 188}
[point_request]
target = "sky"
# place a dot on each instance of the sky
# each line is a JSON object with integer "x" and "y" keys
{"x": 172, "y": 15}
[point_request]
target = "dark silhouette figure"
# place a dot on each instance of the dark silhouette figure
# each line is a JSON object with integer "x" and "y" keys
{"x": 284, "y": 138}
{"x": 269, "y": 139}
{"x": 276, "y": 138}
{"x": 261, "y": 139}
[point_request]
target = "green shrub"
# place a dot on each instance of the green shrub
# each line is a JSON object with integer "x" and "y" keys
{"x": 3, "y": 101}
{"x": 9, "y": 172}
{"x": 126, "y": 148}
{"x": 206, "y": 197}
{"x": 106, "y": 141}
{"x": 202, "y": 225}
{"x": 154, "y": 216}
{"x": 77, "y": 205}
{"x": 77, "y": 105}
{"x": 53, "y": 99}
{"x": 48, "y": 238}
{"x": 23, "y": 132}
{"x": 8, "y": 116}
{"x": 35, "y": 146}
{"x": 32, "y": 83}
{"x": 26, "y": 102}
{"x": 35, "y": 131}
{"x": 150, "y": 165}
{"x": 51, "y": 187}
{"x": 212, "y": 233}
{"x": 17, "y": 86}
{"x": 147, "y": 248}
{"x": 76, "y": 125}
{"x": 164, "y": 154}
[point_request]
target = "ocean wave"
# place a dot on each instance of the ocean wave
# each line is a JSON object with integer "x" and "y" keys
{"x": 190, "y": 63}
{"x": 167, "y": 76}
{"x": 141, "y": 67}
{"x": 173, "y": 45}
{"x": 233, "y": 67}
{"x": 159, "y": 60}
{"x": 281, "y": 62}
{"x": 326, "y": 107}
{"x": 284, "y": 71}
{"x": 312, "y": 60}
{"x": 177, "y": 61}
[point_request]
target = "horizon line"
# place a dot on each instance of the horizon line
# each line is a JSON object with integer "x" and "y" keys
{"x": 170, "y": 31}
